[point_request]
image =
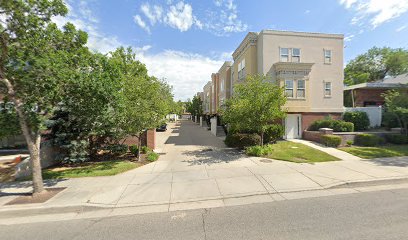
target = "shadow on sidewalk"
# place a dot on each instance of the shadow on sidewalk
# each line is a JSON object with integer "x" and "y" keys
{"x": 391, "y": 162}
{"x": 23, "y": 188}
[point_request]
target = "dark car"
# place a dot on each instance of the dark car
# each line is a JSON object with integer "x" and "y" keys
{"x": 162, "y": 128}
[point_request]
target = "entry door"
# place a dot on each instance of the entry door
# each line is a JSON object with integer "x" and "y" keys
{"x": 293, "y": 126}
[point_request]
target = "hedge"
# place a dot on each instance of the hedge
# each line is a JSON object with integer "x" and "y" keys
{"x": 336, "y": 125}
{"x": 359, "y": 119}
{"x": 242, "y": 140}
{"x": 367, "y": 140}
{"x": 330, "y": 140}
{"x": 397, "y": 138}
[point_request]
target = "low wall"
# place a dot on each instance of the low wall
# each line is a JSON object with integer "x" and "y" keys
{"x": 345, "y": 136}
{"x": 214, "y": 126}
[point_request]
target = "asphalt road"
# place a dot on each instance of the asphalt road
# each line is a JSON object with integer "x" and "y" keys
{"x": 374, "y": 215}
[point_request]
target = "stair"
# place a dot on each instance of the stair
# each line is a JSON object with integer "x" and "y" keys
{"x": 220, "y": 131}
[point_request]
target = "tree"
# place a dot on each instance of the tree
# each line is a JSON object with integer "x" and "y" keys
{"x": 195, "y": 107}
{"x": 376, "y": 64}
{"x": 36, "y": 59}
{"x": 396, "y": 102}
{"x": 256, "y": 105}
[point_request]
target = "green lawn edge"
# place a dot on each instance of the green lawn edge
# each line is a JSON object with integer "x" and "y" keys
{"x": 377, "y": 152}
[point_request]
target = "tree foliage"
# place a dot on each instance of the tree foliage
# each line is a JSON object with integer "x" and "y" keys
{"x": 256, "y": 105}
{"x": 396, "y": 102}
{"x": 376, "y": 64}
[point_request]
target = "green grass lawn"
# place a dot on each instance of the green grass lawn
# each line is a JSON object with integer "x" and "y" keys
{"x": 377, "y": 152}
{"x": 92, "y": 169}
{"x": 299, "y": 153}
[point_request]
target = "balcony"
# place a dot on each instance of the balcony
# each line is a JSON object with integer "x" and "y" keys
{"x": 291, "y": 69}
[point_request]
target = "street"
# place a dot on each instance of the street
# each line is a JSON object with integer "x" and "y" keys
{"x": 371, "y": 215}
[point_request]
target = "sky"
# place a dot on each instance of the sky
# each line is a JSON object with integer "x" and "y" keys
{"x": 184, "y": 42}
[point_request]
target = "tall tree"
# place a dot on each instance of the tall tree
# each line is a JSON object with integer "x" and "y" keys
{"x": 397, "y": 103}
{"x": 376, "y": 64}
{"x": 35, "y": 60}
{"x": 256, "y": 105}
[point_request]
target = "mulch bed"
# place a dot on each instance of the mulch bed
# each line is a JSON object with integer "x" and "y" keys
{"x": 38, "y": 198}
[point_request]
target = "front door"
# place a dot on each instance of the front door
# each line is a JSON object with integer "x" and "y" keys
{"x": 293, "y": 126}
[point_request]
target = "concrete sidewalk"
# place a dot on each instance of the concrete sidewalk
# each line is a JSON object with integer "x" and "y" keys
{"x": 196, "y": 170}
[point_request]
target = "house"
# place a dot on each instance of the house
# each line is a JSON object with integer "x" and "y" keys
{"x": 308, "y": 65}
{"x": 224, "y": 90}
{"x": 370, "y": 93}
{"x": 207, "y": 98}
{"x": 214, "y": 93}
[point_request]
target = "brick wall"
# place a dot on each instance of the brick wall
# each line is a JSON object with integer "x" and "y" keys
{"x": 309, "y": 118}
{"x": 368, "y": 95}
{"x": 148, "y": 138}
{"x": 312, "y": 136}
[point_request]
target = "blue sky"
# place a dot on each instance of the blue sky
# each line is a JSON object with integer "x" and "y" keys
{"x": 185, "y": 41}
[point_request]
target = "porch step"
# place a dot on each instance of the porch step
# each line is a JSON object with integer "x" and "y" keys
{"x": 220, "y": 131}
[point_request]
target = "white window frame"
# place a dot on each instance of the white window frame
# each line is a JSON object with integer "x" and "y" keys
{"x": 303, "y": 88}
{"x": 295, "y": 56}
{"x": 292, "y": 88}
{"x": 330, "y": 88}
{"x": 328, "y": 58}
{"x": 287, "y": 55}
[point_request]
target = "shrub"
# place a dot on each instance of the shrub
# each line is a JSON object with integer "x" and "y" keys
{"x": 258, "y": 151}
{"x": 390, "y": 120}
{"x": 117, "y": 149}
{"x": 367, "y": 140}
{"x": 242, "y": 140}
{"x": 397, "y": 138}
{"x": 336, "y": 125}
{"x": 145, "y": 149}
{"x": 134, "y": 149}
{"x": 76, "y": 151}
{"x": 330, "y": 140}
{"x": 274, "y": 133}
{"x": 349, "y": 143}
{"x": 152, "y": 156}
{"x": 358, "y": 118}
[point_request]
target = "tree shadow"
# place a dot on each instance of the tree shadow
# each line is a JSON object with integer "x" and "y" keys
{"x": 5, "y": 188}
{"x": 213, "y": 156}
{"x": 390, "y": 161}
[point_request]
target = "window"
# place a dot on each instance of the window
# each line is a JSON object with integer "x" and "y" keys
{"x": 300, "y": 91}
{"x": 327, "y": 56}
{"x": 241, "y": 69}
{"x": 327, "y": 89}
{"x": 295, "y": 54}
{"x": 284, "y": 54}
{"x": 289, "y": 88}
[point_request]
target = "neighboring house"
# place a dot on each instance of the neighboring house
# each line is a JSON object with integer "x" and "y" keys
{"x": 207, "y": 99}
{"x": 308, "y": 65}
{"x": 214, "y": 93}
{"x": 370, "y": 93}
{"x": 224, "y": 91}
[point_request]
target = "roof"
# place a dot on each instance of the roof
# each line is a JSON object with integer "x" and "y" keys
{"x": 389, "y": 82}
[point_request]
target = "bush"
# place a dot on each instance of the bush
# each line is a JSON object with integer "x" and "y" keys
{"x": 242, "y": 140}
{"x": 76, "y": 151}
{"x": 145, "y": 149}
{"x": 274, "y": 133}
{"x": 397, "y": 138}
{"x": 152, "y": 156}
{"x": 330, "y": 140}
{"x": 389, "y": 120}
{"x": 336, "y": 125}
{"x": 258, "y": 151}
{"x": 367, "y": 140}
{"x": 349, "y": 143}
{"x": 134, "y": 149}
{"x": 358, "y": 118}
{"x": 117, "y": 149}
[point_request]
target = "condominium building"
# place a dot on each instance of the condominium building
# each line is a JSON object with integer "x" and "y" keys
{"x": 207, "y": 98}
{"x": 224, "y": 90}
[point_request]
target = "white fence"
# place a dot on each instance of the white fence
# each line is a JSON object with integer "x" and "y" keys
{"x": 214, "y": 126}
{"x": 374, "y": 114}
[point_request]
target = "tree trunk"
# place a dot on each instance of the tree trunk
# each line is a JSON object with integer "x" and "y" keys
{"x": 33, "y": 140}
{"x": 262, "y": 138}
{"x": 139, "y": 144}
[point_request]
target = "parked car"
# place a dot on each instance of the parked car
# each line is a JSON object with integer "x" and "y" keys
{"x": 162, "y": 128}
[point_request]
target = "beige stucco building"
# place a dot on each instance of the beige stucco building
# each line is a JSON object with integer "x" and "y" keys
{"x": 224, "y": 89}
{"x": 207, "y": 98}
{"x": 308, "y": 65}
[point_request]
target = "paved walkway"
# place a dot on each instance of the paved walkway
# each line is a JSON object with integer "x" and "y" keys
{"x": 197, "y": 170}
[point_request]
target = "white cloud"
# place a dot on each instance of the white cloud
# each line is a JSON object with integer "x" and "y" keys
{"x": 401, "y": 28}
{"x": 221, "y": 21}
{"x": 138, "y": 20}
{"x": 349, "y": 38}
{"x": 307, "y": 11}
{"x": 180, "y": 16}
{"x": 86, "y": 21}
{"x": 186, "y": 72}
{"x": 154, "y": 14}
{"x": 376, "y": 12}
